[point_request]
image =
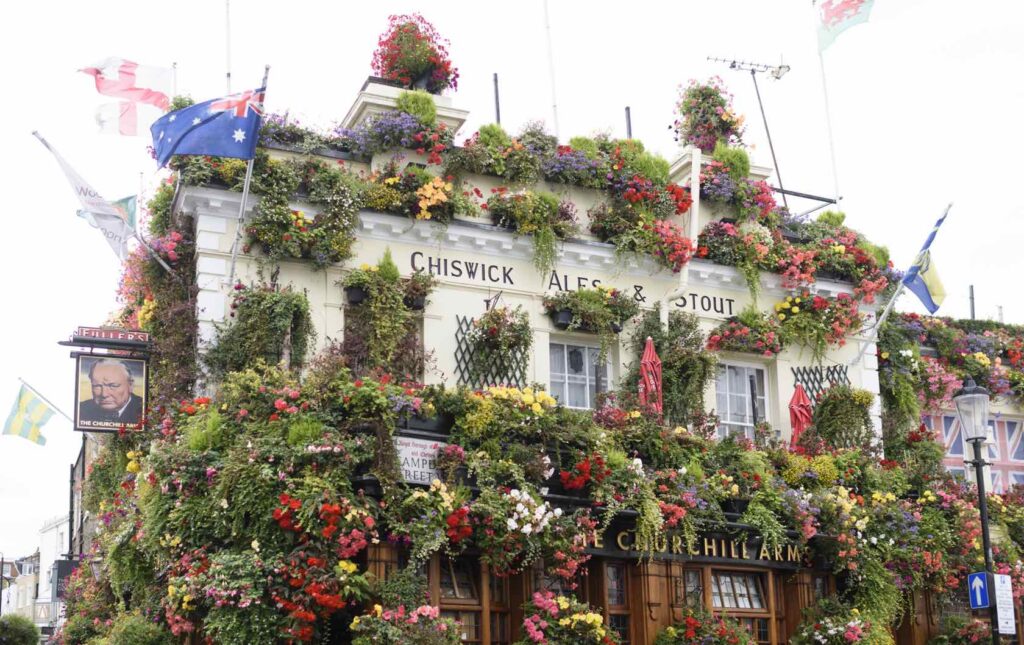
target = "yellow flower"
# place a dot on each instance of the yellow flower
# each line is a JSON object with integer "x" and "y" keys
{"x": 377, "y": 609}
{"x": 563, "y": 602}
{"x": 347, "y": 566}
{"x": 528, "y": 399}
{"x": 364, "y": 267}
{"x": 796, "y": 310}
{"x": 354, "y": 623}
{"x": 634, "y": 414}
{"x": 536, "y": 407}
{"x": 885, "y": 355}
{"x": 782, "y": 316}
{"x": 797, "y": 301}
{"x": 789, "y": 298}
{"x": 171, "y": 590}
{"x": 133, "y": 466}
{"x": 839, "y": 248}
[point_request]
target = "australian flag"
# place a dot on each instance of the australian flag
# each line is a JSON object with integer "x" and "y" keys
{"x": 225, "y": 127}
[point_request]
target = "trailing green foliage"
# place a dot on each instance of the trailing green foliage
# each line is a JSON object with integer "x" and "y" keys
{"x": 842, "y": 417}
{"x": 271, "y": 325}
{"x": 687, "y": 368}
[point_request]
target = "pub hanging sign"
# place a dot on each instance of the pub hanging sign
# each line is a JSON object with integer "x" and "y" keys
{"x": 111, "y": 377}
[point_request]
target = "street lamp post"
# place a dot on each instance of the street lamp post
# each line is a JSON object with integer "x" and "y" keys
{"x": 972, "y": 410}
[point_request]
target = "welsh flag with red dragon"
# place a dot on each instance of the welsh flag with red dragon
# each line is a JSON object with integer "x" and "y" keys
{"x": 836, "y": 16}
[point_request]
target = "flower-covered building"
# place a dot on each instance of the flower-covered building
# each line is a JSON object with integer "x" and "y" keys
{"x": 405, "y": 398}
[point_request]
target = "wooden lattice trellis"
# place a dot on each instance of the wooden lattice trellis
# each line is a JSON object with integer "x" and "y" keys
{"x": 479, "y": 367}
{"x": 817, "y": 379}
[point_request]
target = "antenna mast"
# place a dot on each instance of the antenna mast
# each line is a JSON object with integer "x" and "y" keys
{"x": 776, "y": 72}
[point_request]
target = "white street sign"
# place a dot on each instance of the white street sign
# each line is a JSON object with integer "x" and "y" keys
{"x": 1004, "y": 604}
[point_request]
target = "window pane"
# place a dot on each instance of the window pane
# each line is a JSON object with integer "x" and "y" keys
{"x": 458, "y": 579}
{"x": 557, "y": 354}
{"x": 620, "y": 625}
{"x": 694, "y": 589}
{"x": 754, "y": 587}
{"x": 616, "y": 574}
{"x": 470, "y": 623}
{"x": 716, "y": 593}
{"x": 557, "y": 388}
{"x": 577, "y": 394}
{"x": 499, "y": 590}
{"x": 576, "y": 363}
{"x": 501, "y": 634}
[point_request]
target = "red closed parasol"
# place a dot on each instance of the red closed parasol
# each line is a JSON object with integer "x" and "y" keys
{"x": 800, "y": 413}
{"x": 650, "y": 378}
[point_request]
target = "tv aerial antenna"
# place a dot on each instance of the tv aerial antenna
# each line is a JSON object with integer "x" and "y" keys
{"x": 776, "y": 72}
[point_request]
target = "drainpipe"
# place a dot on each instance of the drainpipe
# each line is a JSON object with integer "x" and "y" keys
{"x": 692, "y": 232}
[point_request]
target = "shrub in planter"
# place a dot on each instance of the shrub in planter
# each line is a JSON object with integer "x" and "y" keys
{"x": 541, "y": 215}
{"x": 602, "y": 310}
{"x": 842, "y": 417}
{"x": 414, "y": 54}
{"x": 133, "y": 629}
{"x": 416, "y": 289}
{"x": 750, "y": 331}
{"x": 422, "y": 625}
{"x": 419, "y": 104}
{"x": 748, "y": 247}
{"x": 498, "y": 337}
{"x": 18, "y": 630}
{"x": 394, "y": 129}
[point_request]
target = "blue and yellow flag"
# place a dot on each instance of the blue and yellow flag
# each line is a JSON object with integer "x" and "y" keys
{"x": 28, "y": 416}
{"x": 922, "y": 279}
{"x": 926, "y": 284}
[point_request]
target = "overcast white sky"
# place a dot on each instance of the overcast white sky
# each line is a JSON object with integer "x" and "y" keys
{"x": 926, "y": 99}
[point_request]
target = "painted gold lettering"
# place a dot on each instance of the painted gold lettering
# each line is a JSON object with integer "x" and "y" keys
{"x": 792, "y": 553}
{"x": 661, "y": 544}
{"x": 732, "y": 549}
{"x": 622, "y": 540}
{"x": 744, "y": 552}
{"x": 778, "y": 554}
{"x": 764, "y": 554}
{"x": 598, "y": 540}
{"x": 691, "y": 548}
{"x": 677, "y": 544}
{"x": 713, "y": 547}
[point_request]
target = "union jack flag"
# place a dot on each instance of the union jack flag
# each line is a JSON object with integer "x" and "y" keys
{"x": 1005, "y": 450}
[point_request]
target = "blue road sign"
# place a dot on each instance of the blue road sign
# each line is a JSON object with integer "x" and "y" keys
{"x": 977, "y": 590}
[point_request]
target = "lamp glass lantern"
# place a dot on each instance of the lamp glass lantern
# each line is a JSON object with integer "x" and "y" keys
{"x": 972, "y": 410}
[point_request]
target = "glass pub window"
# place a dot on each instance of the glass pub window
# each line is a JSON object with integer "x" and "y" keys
{"x": 688, "y": 590}
{"x": 575, "y": 373}
{"x": 743, "y": 593}
{"x": 738, "y": 390}
{"x": 460, "y": 595}
{"x": 617, "y": 597}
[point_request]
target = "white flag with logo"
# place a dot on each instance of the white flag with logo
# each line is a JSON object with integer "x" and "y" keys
{"x": 108, "y": 218}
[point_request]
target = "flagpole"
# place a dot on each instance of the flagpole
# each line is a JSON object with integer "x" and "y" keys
{"x": 245, "y": 197}
{"x": 877, "y": 327}
{"x": 828, "y": 125}
{"x": 46, "y": 400}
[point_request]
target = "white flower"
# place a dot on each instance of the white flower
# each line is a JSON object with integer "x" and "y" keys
{"x": 681, "y": 470}
{"x": 558, "y": 512}
{"x": 637, "y": 466}
{"x": 224, "y": 503}
{"x": 520, "y": 508}
{"x": 511, "y": 523}
{"x": 255, "y": 546}
{"x": 527, "y": 529}
{"x": 544, "y": 490}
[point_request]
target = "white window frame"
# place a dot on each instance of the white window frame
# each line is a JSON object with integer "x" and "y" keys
{"x": 748, "y": 429}
{"x": 563, "y": 396}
